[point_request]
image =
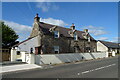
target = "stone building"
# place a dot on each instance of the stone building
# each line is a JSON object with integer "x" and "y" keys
{"x": 52, "y": 39}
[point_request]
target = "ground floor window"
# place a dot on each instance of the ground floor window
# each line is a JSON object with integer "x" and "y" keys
{"x": 87, "y": 49}
{"x": 77, "y": 49}
{"x": 56, "y": 49}
{"x": 18, "y": 52}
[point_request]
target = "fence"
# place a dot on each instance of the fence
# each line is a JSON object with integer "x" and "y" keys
{"x": 4, "y": 55}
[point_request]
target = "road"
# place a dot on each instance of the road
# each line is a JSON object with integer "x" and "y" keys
{"x": 101, "y": 68}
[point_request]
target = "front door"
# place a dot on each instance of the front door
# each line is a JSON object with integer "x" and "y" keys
{"x": 37, "y": 50}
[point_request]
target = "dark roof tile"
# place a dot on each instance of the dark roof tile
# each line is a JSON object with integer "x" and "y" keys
{"x": 110, "y": 44}
{"x": 45, "y": 28}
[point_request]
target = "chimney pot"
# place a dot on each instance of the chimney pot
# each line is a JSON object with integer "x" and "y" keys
{"x": 37, "y": 18}
{"x": 37, "y": 15}
{"x": 73, "y": 26}
{"x": 86, "y": 30}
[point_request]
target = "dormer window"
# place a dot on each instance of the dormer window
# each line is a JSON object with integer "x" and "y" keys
{"x": 88, "y": 39}
{"x": 75, "y": 36}
{"x": 56, "y": 34}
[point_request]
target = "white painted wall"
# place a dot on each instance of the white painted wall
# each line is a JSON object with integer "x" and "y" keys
{"x": 62, "y": 58}
{"x": 26, "y": 46}
{"x": 31, "y": 59}
{"x": 101, "y": 47}
{"x": 113, "y": 53}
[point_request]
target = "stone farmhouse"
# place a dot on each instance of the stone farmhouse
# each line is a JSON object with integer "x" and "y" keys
{"x": 52, "y": 39}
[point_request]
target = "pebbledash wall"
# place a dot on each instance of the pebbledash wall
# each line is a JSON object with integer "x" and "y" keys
{"x": 64, "y": 58}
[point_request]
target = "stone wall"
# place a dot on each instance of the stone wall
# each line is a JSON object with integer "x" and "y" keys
{"x": 66, "y": 45}
{"x": 49, "y": 42}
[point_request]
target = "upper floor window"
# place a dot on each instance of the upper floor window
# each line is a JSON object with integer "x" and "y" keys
{"x": 56, "y": 34}
{"x": 75, "y": 36}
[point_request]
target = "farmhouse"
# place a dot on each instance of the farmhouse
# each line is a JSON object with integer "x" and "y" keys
{"x": 52, "y": 39}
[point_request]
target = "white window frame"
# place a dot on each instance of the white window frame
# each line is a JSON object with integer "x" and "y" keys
{"x": 56, "y": 48}
{"x": 56, "y": 33}
{"x": 89, "y": 39}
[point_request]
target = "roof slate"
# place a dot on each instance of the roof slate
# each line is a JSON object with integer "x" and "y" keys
{"x": 64, "y": 31}
{"x": 110, "y": 44}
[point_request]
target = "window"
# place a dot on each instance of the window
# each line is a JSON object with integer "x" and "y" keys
{"x": 88, "y": 49}
{"x": 75, "y": 36}
{"x": 18, "y": 52}
{"x": 31, "y": 50}
{"x": 94, "y": 49}
{"x": 88, "y": 39}
{"x": 56, "y": 49}
{"x": 56, "y": 34}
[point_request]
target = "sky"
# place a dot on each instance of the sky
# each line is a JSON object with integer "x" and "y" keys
{"x": 100, "y": 18}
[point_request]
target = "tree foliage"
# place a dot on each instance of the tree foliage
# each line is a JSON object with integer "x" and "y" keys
{"x": 9, "y": 36}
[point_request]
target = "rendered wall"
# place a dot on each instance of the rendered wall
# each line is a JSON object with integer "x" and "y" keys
{"x": 26, "y": 46}
{"x": 62, "y": 58}
{"x": 101, "y": 47}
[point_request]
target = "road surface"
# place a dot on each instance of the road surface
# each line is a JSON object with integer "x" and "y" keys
{"x": 101, "y": 68}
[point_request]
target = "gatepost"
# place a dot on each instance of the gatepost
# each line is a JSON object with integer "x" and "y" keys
{"x": 107, "y": 54}
{"x": 31, "y": 59}
{"x": 113, "y": 53}
{"x": 23, "y": 56}
{"x": 13, "y": 54}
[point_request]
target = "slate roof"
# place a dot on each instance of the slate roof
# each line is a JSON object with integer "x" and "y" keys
{"x": 45, "y": 27}
{"x": 64, "y": 31}
{"x": 110, "y": 44}
{"x": 22, "y": 42}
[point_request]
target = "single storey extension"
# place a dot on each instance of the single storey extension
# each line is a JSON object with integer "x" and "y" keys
{"x": 105, "y": 46}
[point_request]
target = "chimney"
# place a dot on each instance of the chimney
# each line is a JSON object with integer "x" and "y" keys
{"x": 72, "y": 27}
{"x": 86, "y": 30}
{"x": 36, "y": 19}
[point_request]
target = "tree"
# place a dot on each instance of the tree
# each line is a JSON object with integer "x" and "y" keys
{"x": 9, "y": 36}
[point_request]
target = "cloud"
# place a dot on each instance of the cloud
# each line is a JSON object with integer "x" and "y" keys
{"x": 116, "y": 39}
{"x": 103, "y": 38}
{"x": 47, "y": 6}
{"x": 54, "y": 21}
{"x": 22, "y": 30}
{"x": 96, "y": 31}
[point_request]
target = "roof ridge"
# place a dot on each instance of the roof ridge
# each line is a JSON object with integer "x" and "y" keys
{"x": 60, "y": 26}
{"x": 107, "y": 41}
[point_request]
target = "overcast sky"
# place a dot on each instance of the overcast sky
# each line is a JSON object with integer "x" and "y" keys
{"x": 101, "y": 18}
